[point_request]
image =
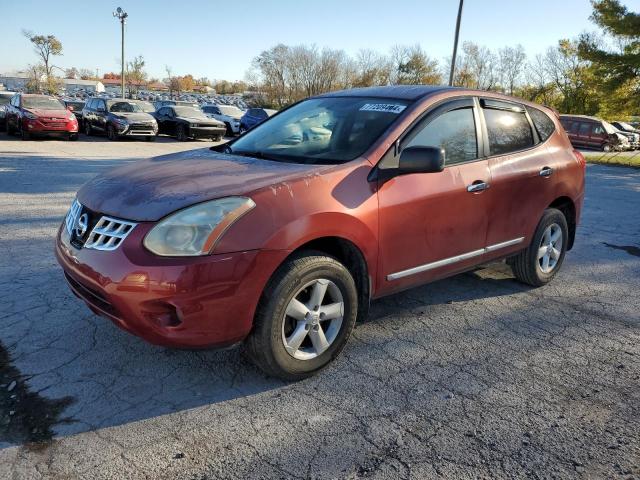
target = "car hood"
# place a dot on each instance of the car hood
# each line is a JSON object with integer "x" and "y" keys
{"x": 150, "y": 189}
{"x": 205, "y": 121}
{"x": 47, "y": 113}
{"x": 134, "y": 116}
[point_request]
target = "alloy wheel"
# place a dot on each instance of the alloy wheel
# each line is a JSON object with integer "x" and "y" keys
{"x": 550, "y": 248}
{"x": 312, "y": 320}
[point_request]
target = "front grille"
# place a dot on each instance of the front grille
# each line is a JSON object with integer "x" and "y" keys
{"x": 108, "y": 233}
{"x": 89, "y": 229}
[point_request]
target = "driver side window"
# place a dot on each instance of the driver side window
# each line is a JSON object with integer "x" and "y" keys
{"x": 454, "y": 131}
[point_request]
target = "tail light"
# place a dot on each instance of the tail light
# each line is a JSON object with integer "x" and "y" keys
{"x": 580, "y": 158}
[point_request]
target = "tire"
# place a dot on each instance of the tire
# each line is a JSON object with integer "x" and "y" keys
{"x": 25, "y": 135}
{"x": 229, "y": 132}
{"x": 73, "y": 137}
{"x": 10, "y": 129}
{"x": 528, "y": 266}
{"x": 606, "y": 147}
{"x": 296, "y": 279}
{"x": 88, "y": 131}
{"x": 216, "y": 139}
{"x": 111, "y": 133}
{"x": 181, "y": 135}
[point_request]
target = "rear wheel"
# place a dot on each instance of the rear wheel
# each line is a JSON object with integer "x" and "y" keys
{"x": 541, "y": 260}
{"x": 305, "y": 317}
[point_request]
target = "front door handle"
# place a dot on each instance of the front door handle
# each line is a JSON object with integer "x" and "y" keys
{"x": 477, "y": 186}
{"x": 545, "y": 172}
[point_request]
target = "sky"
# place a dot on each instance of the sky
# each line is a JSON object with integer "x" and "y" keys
{"x": 218, "y": 40}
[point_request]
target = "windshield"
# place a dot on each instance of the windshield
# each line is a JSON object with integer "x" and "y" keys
{"x": 126, "y": 107}
{"x": 321, "y": 130}
{"x": 42, "y": 103}
{"x": 189, "y": 112}
{"x": 147, "y": 107}
{"x": 230, "y": 110}
{"x": 625, "y": 126}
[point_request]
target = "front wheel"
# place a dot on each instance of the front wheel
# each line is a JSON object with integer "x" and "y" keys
{"x": 111, "y": 133}
{"x": 24, "y": 134}
{"x": 606, "y": 147}
{"x": 88, "y": 131}
{"x": 73, "y": 137}
{"x": 181, "y": 135}
{"x": 305, "y": 317}
{"x": 541, "y": 260}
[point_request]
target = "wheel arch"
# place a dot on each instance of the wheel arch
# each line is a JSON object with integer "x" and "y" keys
{"x": 568, "y": 209}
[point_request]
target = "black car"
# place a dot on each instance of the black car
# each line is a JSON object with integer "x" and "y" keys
{"x": 76, "y": 107}
{"x": 118, "y": 118}
{"x": 5, "y": 98}
{"x": 188, "y": 122}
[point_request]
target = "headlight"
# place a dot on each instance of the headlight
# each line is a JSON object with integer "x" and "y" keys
{"x": 121, "y": 121}
{"x": 30, "y": 116}
{"x": 195, "y": 230}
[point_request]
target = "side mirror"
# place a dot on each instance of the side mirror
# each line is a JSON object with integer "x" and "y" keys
{"x": 70, "y": 108}
{"x": 421, "y": 160}
{"x": 412, "y": 160}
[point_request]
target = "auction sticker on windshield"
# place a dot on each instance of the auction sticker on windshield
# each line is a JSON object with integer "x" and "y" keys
{"x": 382, "y": 107}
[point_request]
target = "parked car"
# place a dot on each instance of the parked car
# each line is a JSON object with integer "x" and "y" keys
{"x": 167, "y": 103}
{"x": 76, "y": 107}
{"x": 188, "y": 122}
{"x": 253, "y": 117}
{"x": 282, "y": 244}
{"x": 31, "y": 115}
{"x": 5, "y": 98}
{"x": 118, "y": 118}
{"x": 592, "y": 132}
{"x": 230, "y": 115}
{"x": 633, "y": 134}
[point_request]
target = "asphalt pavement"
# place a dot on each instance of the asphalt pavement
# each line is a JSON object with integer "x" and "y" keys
{"x": 476, "y": 376}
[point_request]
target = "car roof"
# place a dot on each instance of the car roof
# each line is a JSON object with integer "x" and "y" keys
{"x": 399, "y": 92}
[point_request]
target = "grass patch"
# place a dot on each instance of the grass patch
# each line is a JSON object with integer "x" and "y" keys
{"x": 626, "y": 159}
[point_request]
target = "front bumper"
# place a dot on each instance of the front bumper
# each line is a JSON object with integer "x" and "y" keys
{"x": 207, "y": 132}
{"x": 191, "y": 302}
{"x": 40, "y": 127}
{"x": 136, "y": 130}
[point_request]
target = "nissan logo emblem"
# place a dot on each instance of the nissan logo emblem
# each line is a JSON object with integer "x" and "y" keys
{"x": 81, "y": 225}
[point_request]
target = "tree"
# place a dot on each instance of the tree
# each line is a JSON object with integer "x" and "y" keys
{"x": 619, "y": 68}
{"x": 511, "y": 65}
{"x": 34, "y": 82}
{"x": 45, "y": 46}
{"x": 187, "y": 83}
{"x": 136, "y": 75}
{"x": 413, "y": 66}
{"x": 371, "y": 68}
{"x": 87, "y": 74}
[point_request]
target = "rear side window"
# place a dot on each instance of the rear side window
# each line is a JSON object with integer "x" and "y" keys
{"x": 544, "y": 125}
{"x": 455, "y": 132}
{"x": 598, "y": 130}
{"x": 508, "y": 130}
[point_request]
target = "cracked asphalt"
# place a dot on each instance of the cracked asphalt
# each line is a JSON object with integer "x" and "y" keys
{"x": 475, "y": 376}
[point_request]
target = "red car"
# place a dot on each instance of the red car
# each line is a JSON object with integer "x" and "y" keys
{"x": 281, "y": 237}
{"x": 31, "y": 115}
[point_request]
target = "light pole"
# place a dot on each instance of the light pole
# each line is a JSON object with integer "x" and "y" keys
{"x": 455, "y": 44}
{"x": 122, "y": 16}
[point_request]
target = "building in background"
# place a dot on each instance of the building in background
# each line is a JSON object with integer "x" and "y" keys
{"x": 90, "y": 86}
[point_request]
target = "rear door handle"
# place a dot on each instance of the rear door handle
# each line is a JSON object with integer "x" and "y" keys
{"x": 545, "y": 172}
{"x": 477, "y": 186}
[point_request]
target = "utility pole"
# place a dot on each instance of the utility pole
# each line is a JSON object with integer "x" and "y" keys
{"x": 455, "y": 44}
{"x": 122, "y": 16}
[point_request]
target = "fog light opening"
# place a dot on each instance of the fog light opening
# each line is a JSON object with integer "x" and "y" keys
{"x": 164, "y": 316}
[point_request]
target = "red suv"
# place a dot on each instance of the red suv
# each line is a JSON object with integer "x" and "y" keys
{"x": 40, "y": 115}
{"x": 281, "y": 237}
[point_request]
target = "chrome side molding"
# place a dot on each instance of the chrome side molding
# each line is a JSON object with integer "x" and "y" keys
{"x": 450, "y": 260}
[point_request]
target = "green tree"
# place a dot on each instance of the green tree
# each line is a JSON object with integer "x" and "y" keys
{"x": 618, "y": 67}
